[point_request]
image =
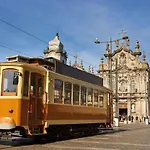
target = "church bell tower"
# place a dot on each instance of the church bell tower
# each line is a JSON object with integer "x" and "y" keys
{"x": 55, "y": 49}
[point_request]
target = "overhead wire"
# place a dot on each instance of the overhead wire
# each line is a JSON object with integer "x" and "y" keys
{"x": 15, "y": 50}
{"x": 33, "y": 37}
{"x": 22, "y": 31}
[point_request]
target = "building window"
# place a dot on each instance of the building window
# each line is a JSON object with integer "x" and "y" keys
{"x": 83, "y": 95}
{"x": 58, "y": 91}
{"x": 26, "y": 83}
{"x": 95, "y": 98}
{"x": 76, "y": 94}
{"x": 132, "y": 88}
{"x": 90, "y": 96}
{"x": 67, "y": 98}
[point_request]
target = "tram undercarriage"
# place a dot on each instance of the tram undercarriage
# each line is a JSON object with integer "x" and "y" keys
{"x": 54, "y": 132}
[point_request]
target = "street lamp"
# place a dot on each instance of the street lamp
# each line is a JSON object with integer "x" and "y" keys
{"x": 116, "y": 118}
{"x": 146, "y": 97}
{"x": 110, "y": 54}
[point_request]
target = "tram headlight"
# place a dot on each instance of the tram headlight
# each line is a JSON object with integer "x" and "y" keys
{"x": 11, "y": 111}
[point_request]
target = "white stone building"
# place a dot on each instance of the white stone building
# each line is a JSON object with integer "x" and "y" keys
{"x": 129, "y": 78}
{"x": 55, "y": 49}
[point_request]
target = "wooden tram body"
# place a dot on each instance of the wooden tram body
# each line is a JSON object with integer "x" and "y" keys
{"x": 39, "y": 96}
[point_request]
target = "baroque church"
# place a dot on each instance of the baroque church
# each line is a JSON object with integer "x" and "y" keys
{"x": 130, "y": 79}
{"x": 129, "y": 75}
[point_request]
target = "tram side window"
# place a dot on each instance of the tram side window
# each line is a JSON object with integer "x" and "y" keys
{"x": 33, "y": 83}
{"x": 40, "y": 86}
{"x": 58, "y": 91}
{"x": 101, "y": 99}
{"x": 26, "y": 83}
{"x": 76, "y": 94}
{"x": 83, "y": 95}
{"x": 108, "y": 99}
{"x": 8, "y": 86}
{"x": 90, "y": 96}
{"x": 67, "y": 98}
{"x": 95, "y": 98}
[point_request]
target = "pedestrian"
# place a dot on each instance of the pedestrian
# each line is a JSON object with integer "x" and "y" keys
{"x": 144, "y": 118}
{"x": 129, "y": 118}
{"x": 140, "y": 120}
{"x": 132, "y": 118}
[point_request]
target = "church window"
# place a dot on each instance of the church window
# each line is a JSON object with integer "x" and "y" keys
{"x": 132, "y": 88}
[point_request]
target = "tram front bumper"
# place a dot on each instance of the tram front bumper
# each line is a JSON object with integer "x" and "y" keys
{"x": 7, "y": 123}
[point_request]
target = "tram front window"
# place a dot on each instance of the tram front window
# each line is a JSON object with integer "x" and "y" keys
{"x": 8, "y": 81}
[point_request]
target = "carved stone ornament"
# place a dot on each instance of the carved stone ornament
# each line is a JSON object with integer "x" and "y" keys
{"x": 132, "y": 107}
{"x": 128, "y": 42}
{"x": 122, "y": 60}
{"x": 123, "y": 84}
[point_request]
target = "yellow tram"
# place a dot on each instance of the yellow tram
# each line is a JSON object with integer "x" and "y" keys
{"x": 38, "y": 96}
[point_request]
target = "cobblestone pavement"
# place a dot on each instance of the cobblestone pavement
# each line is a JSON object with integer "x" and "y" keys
{"x": 134, "y": 137}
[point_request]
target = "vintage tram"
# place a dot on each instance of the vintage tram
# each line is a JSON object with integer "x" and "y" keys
{"x": 39, "y": 96}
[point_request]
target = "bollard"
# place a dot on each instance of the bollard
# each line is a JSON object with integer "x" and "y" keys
{"x": 146, "y": 121}
{"x": 116, "y": 122}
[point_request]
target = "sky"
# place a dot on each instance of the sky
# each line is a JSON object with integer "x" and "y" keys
{"x": 78, "y": 22}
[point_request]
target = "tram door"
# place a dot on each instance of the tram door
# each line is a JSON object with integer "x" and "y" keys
{"x": 36, "y": 115}
{"x": 109, "y": 108}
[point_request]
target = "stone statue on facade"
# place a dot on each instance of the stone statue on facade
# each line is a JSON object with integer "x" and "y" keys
{"x": 122, "y": 60}
{"x": 127, "y": 42}
{"x": 117, "y": 44}
{"x": 137, "y": 44}
{"x": 132, "y": 107}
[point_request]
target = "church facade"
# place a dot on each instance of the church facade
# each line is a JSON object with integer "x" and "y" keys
{"x": 129, "y": 78}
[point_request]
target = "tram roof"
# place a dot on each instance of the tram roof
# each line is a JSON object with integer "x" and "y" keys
{"x": 78, "y": 74}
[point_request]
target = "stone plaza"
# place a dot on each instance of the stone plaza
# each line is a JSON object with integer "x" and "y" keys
{"x": 133, "y": 136}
